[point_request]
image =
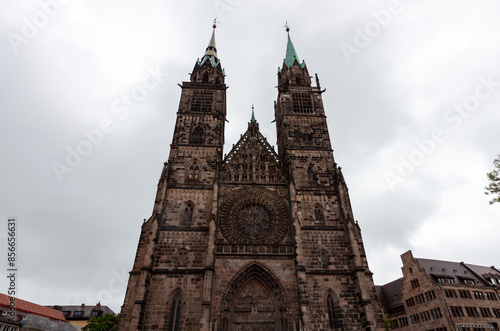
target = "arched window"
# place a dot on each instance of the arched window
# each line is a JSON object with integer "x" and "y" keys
{"x": 324, "y": 259}
{"x": 198, "y": 135}
{"x": 187, "y": 215}
{"x": 193, "y": 172}
{"x": 317, "y": 214}
{"x": 205, "y": 77}
{"x": 298, "y": 79}
{"x": 175, "y": 312}
{"x": 182, "y": 255}
{"x": 334, "y": 317}
{"x": 311, "y": 175}
{"x": 307, "y": 135}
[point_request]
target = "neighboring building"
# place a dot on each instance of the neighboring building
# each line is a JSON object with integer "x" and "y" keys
{"x": 78, "y": 315}
{"x": 18, "y": 314}
{"x": 254, "y": 240}
{"x": 442, "y": 295}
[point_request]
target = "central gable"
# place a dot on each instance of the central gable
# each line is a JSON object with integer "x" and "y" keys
{"x": 252, "y": 160}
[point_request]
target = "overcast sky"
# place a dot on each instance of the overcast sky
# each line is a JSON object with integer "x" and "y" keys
{"x": 88, "y": 95}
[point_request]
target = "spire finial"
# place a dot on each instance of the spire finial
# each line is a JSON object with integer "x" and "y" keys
{"x": 253, "y": 116}
{"x": 287, "y": 26}
{"x": 215, "y": 23}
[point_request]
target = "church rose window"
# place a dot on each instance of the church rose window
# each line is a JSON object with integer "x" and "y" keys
{"x": 254, "y": 221}
{"x": 253, "y": 216}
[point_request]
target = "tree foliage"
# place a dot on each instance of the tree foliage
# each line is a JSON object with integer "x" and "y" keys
{"x": 108, "y": 322}
{"x": 388, "y": 324}
{"x": 494, "y": 178}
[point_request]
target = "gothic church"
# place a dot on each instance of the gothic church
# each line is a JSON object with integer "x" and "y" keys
{"x": 257, "y": 239}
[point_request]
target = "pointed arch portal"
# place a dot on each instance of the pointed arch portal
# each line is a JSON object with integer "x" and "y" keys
{"x": 254, "y": 301}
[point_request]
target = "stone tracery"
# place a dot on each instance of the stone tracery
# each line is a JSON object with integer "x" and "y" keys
{"x": 253, "y": 216}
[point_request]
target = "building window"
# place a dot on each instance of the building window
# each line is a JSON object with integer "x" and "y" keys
{"x": 431, "y": 295}
{"x": 469, "y": 281}
{"x": 317, "y": 214}
{"x": 465, "y": 294}
{"x": 96, "y": 313}
{"x": 78, "y": 313}
{"x": 486, "y": 312}
{"x": 491, "y": 296}
{"x": 450, "y": 293}
{"x": 457, "y": 311}
{"x": 187, "y": 215}
{"x": 436, "y": 313}
{"x": 194, "y": 172}
{"x": 333, "y": 317}
{"x": 302, "y": 103}
{"x": 445, "y": 280}
{"x": 182, "y": 255}
{"x": 311, "y": 176}
{"x": 472, "y": 311}
{"x": 198, "y": 136}
{"x": 496, "y": 312}
{"x": 66, "y": 313}
{"x": 307, "y": 135}
{"x": 324, "y": 259}
{"x": 414, "y": 283}
{"x": 175, "y": 313}
{"x": 202, "y": 101}
{"x": 478, "y": 295}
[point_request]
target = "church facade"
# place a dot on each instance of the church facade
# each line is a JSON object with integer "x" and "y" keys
{"x": 256, "y": 239}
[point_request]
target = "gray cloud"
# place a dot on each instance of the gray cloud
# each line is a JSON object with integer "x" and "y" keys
{"x": 75, "y": 235}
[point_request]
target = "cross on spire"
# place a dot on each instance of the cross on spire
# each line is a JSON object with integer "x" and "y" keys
{"x": 287, "y": 26}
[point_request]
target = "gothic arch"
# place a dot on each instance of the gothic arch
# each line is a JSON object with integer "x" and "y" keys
{"x": 298, "y": 79}
{"x": 307, "y": 135}
{"x": 333, "y": 311}
{"x": 193, "y": 171}
{"x": 197, "y": 135}
{"x": 187, "y": 212}
{"x": 205, "y": 77}
{"x": 176, "y": 302}
{"x": 312, "y": 174}
{"x": 318, "y": 214}
{"x": 254, "y": 300}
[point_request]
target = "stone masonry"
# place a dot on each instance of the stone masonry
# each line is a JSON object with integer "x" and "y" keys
{"x": 257, "y": 239}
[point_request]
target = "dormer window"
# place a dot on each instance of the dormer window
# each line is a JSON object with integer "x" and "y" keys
{"x": 96, "y": 313}
{"x": 78, "y": 313}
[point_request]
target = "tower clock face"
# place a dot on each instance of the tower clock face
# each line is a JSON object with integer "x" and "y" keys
{"x": 252, "y": 216}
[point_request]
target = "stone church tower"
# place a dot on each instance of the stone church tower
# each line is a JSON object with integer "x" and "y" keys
{"x": 254, "y": 240}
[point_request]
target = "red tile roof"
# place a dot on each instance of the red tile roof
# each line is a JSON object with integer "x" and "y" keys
{"x": 32, "y": 308}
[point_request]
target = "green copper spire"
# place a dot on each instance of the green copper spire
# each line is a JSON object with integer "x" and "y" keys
{"x": 211, "y": 51}
{"x": 291, "y": 54}
{"x": 252, "y": 120}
